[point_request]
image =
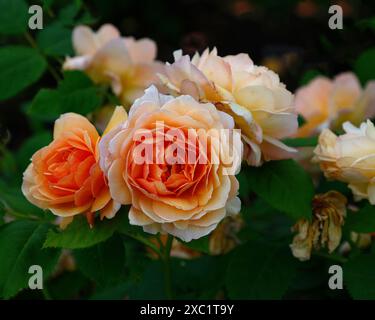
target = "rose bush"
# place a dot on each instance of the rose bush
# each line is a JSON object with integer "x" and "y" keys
{"x": 126, "y": 177}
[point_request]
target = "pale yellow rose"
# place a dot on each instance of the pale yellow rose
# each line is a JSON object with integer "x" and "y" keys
{"x": 254, "y": 96}
{"x": 326, "y": 103}
{"x": 329, "y": 211}
{"x": 129, "y": 65}
{"x": 350, "y": 158}
{"x": 186, "y": 200}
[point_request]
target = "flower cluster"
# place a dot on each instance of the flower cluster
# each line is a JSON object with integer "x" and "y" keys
{"x": 259, "y": 103}
{"x": 174, "y": 156}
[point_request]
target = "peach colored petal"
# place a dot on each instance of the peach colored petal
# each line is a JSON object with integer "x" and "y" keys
{"x": 106, "y": 33}
{"x": 117, "y": 185}
{"x": 138, "y": 218}
{"x": 84, "y": 40}
{"x": 71, "y": 121}
{"x": 101, "y": 200}
{"x": 110, "y": 210}
{"x": 68, "y": 210}
{"x": 119, "y": 116}
{"x": 142, "y": 50}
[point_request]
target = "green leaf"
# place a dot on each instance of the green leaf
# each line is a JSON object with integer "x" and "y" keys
{"x": 2, "y": 213}
{"x": 68, "y": 13}
{"x": 367, "y": 24}
{"x": 46, "y": 105}
{"x": 14, "y": 201}
{"x": 364, "y": 66}
{"x": 55, "y": 40}
{"x": 260, "y": 270}
{"x": 68, "y": 285}
{"x": 20, "y": 67}
{"x": 13, "y": 16}
{"x": 103, "y": 263}
{"x": 188, "y": 281}
{"x": 284, "y": 185}
{"x": 79, "y": 235}
{"x": 136, "y": 258}
{"x": 325, "y": 185}
{"x": 359, "y": 276}
{"x": 151, "y": 284}
{"x": 245, "y": 189}
{"x": 74, "y": 80}
{"x": 76, "y": 93}
{"x": 21, "y": 247}
{"x": 362, "y": 221}
{"x": 116, "y": 292}
{"x": 47, "y": 4}
{"x": 8, "y": 165}
{"x": 301, "y": 142}
{"x": 263, "y": 220}
{"x": 30, "y": 146}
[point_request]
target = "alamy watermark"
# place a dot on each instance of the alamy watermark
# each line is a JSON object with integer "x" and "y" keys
{"x": 335, "y": 281}
{"x": 336, "y": 20}
{"x": 36, "y": 280}
{"x": 36, "y": 18}
{"x": 163, "y": 145}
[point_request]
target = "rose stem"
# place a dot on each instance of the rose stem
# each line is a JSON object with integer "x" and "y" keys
{"x": 167, "y": 267}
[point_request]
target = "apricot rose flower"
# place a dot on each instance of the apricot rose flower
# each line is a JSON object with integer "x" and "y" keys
{"x": 127, "y": 64}
{"x": 326, "y": 103}
{"x": 65, "y": 176}
{"x": 254, "y": 96}
{"x": 350, "y": 158}
{"x": 185, "y": 198}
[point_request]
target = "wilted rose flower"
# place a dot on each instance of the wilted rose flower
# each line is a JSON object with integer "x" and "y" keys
{"x": 65, "y": 263}
{"x": 187, "y": 197}
{"x": 326, "y": 103}
{"x": 225, "y": 237}
{"x": 350, "y": 158}
{"x": 65, "y": 176}
{"x": 329, "y": 211}
{"x": 254, "y": 96}
{"x": 361, "y": 240}
{"x": 127, "y": 64}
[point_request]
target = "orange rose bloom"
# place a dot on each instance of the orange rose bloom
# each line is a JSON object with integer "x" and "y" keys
{"x": 188, "y": 198}
{"x": 65, "y": 176}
